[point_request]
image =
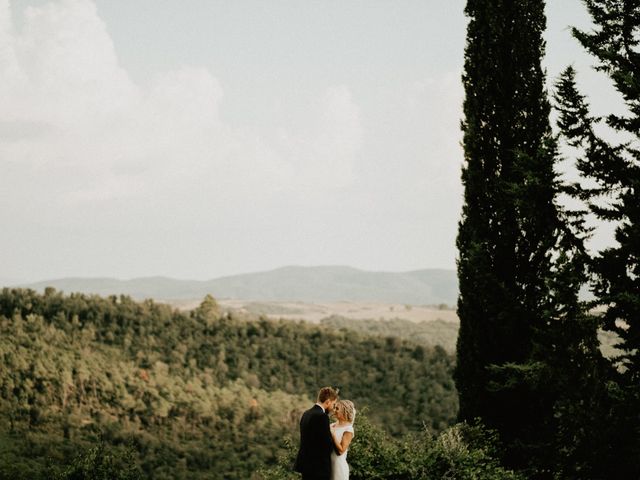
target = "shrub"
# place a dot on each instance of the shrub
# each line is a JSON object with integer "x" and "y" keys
{"x": 462, "y": 452}
{"x": 102, "y": 463}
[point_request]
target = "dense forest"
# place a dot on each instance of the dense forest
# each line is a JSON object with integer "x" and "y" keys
{"x": 204, "y": 394}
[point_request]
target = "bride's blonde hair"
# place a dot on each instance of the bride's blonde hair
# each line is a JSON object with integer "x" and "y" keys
{"x": 348, "y": 409}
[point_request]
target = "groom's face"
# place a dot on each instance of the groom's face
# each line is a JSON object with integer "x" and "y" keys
{"x": 332, "y": 405}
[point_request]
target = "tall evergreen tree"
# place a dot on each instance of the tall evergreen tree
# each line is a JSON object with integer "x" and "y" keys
{"x": 612, "y": 192}
{"x": 519, "y": 252}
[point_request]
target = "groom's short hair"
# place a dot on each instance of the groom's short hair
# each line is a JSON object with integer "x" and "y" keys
{"x": 327, "y": 393}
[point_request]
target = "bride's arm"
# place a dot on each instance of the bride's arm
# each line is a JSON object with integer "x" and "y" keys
{"x": 342, "y": 446}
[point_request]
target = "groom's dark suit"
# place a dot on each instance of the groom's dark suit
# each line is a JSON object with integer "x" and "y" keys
{"x": 316, "y": 445}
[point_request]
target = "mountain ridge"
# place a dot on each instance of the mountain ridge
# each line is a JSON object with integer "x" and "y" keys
{"x": 288, "y": 283}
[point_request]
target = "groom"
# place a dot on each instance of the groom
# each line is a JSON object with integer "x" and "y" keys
{"x": 316, "y": 443}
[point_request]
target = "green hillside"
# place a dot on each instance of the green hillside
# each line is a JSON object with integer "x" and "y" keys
{"x": 203, "y": 394}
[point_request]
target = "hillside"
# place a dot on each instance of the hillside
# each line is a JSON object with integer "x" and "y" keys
{"x": 306, "y": 284}
{"x": 200, "y": 394}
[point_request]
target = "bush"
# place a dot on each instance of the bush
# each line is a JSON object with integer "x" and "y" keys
{"x": 102, "y": 463}
{"x": 462, "y": 452}
{"x": 465, "y": 452}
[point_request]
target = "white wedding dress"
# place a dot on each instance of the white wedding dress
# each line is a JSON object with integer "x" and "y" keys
{"x": 339, "y": 466}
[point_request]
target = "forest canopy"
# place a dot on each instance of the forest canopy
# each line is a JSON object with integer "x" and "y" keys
{"x": 192, "y": 394}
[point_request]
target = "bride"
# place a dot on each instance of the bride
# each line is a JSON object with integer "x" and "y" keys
{"x": 342, "y": 432}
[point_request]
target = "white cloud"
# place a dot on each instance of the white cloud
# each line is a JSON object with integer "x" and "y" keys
{"x": 75, "y": 119}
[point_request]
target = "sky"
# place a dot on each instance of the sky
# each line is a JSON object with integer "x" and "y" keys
{"x": 208, "y": 138}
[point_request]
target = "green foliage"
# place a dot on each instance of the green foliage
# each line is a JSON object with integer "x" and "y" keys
{"x": 283, "y": 469}
{"x": 526, "y": 351}
{"x": 462, "y": 452}
{"x": 509, "y": 216}
{"x": 198, "y": 395}
{"x": 613, "y": 169}
{"x": 373, "y": 453}
{"x": 610, "y": 190}
{"x": 103, "y": 463}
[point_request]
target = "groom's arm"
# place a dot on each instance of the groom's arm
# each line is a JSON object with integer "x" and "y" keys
{"x": 327, "y": 436}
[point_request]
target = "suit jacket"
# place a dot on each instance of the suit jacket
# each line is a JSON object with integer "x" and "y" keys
{"x": 316, "y": 444}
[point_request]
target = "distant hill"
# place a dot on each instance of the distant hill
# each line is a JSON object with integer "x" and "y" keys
{"x": 305, "y": 284}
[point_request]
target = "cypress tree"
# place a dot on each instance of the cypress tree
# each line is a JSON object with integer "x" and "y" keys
{"x": 612, "y": 193}
{"x": 519, "y": 252}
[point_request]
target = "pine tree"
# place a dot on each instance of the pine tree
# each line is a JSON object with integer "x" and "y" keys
{"x": 519, "y": 252}
{"x": 612, "y": 192}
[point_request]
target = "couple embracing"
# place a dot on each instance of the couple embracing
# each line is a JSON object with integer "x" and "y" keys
{"x": 324, "y": 445}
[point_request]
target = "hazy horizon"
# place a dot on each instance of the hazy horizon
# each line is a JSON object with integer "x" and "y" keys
{"x": 142, "y": 139}
{"x": 8, "y": 282}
